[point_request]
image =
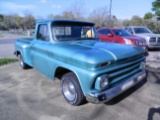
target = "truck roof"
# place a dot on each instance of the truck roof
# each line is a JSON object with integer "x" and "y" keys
{"x": 136, "y": 26}
{"x": 114, "y": 28}
{"x": 63, "y": 20}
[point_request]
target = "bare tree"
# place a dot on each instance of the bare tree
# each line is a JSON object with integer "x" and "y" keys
{"x": 68, "y": 15}
{"x": 10, "y": 21}
{"x": 153, "y": 24}
{"x": 115, "y": 22}
{"x": 77, "y": 11}
{"x": 126, "y": 22}
{"x": 99, "y": 16}
{"x": 1, "y": 17}
{"x": 28, "y": 21}
{"x": 14, "y": 21}
{"x": 136, "y": 20}
{"x": 65, "y": 15}
{"x": 50, "y": 16}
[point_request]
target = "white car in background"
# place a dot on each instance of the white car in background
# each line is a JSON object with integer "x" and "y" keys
{"x": 152, "y": 39}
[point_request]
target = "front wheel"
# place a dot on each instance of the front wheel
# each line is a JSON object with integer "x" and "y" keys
{"x": 71, "y": 89}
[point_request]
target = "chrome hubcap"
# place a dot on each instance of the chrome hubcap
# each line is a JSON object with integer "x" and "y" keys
{"x": 21, "y": 61}
{"x": 69, "y": 90}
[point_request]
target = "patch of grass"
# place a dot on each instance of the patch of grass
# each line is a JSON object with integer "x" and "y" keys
{"x": 4, "y": 61}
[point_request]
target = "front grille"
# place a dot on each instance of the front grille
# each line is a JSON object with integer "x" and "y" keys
{"x": 158, "y": 40}
{"x": 124, "y": 69}
{"x": 153, "y": 39}
{"x": 140, "y": 43}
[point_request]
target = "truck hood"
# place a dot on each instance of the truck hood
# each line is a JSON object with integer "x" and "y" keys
{"x": 134, "y": 38}
{"x": 148, "y": 35}
{"x": 93, "y": 53}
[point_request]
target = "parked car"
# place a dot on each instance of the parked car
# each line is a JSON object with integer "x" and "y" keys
{"x": 87, "y": 67}
{"x": 152, "y": 39}
{"x": 119, "y": 35}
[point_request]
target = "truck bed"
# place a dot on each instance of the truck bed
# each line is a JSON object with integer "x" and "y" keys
{"x": 27, "y": 40}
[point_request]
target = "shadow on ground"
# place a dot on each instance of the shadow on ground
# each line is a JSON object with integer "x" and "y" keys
{"x": 152, "y": 114}
{"x": 150, "y": 72}
{"x": 154, "y": 72}
{"x": 154, "y": 50}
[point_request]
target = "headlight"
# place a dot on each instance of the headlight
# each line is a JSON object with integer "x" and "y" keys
{"x": 128, "y": 42}
{"x": 101, "y": 82}
{"x": 147, "y": 39}
{"x": 104, "y": 83}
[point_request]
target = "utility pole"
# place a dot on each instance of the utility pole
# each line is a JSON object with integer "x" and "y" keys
{"x": 110, "y": 13}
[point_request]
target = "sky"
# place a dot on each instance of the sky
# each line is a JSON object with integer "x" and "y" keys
{"x": 122, "y": 9}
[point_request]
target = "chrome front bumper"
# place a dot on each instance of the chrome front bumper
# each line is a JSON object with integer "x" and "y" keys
{"x": 154, "y": 45}
{"x": 116, "y": 90}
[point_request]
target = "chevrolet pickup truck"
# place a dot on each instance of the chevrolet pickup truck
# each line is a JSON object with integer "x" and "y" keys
{"x": 88, "y": 69}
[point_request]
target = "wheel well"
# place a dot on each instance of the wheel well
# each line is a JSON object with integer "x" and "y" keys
{"x": 60, "y": 72}
{"x": 18, "y": 53}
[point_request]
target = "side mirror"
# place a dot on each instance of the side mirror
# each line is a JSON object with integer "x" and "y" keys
{"x": 131, "y": 33}
{"x": 109, "y": 35}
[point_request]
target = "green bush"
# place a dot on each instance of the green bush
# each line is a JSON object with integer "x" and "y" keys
{"x": 5, "y": 61}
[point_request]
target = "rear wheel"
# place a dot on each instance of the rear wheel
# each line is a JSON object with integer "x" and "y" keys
{"x": 22, "y": 64}
{"x": 71, "y": 89}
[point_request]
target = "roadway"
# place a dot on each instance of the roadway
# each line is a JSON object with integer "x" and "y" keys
{"x": 7, "y": 46}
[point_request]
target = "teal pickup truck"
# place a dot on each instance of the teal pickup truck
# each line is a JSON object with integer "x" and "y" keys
{"x": 88, "y": 69}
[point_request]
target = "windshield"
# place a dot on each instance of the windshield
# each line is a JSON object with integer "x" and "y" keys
{"x": 142, "y": 30}
{"x": 121, "y": 32}
{"x": 73, "y": 31}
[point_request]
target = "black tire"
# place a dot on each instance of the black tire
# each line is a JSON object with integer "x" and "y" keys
{"x": 22, "y": 64}
{"x": 73, "y": 96}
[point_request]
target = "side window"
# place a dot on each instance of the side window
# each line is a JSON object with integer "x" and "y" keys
{"x": 42, "y": 33}
{"x": 101, "y": 32}
{"x": 126, "y": 29}
{"x": 87, "y": 31}
{"x": 107, "y": 32}
{"x": 130, "y": 30}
